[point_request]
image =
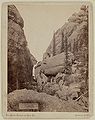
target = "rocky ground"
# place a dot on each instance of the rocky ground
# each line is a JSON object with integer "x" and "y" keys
{"x": 47, "y": 103}
{"x": 61, "y": 78}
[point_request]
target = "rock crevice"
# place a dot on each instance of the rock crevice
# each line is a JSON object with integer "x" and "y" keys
{"x": 61, "y": 78}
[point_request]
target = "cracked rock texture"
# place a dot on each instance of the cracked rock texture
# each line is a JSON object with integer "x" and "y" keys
{"x": 75, "y": 30}
{"x": 62, "y": 74}
{"x": 47, "y": 103}
{"x": 20, "y": 60}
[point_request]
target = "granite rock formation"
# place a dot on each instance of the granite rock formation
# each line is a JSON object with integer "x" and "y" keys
{"x": 71, "y": 38}
{"x": 47, "y": 103}
{"x": 65, "y": 62}
{"x": 20, "y": 60}
{"x": 61, "y": 78}
{"x": 75, "y": 32}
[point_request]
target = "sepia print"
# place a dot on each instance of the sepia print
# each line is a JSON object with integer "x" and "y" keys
{"x": 48, "y": 57}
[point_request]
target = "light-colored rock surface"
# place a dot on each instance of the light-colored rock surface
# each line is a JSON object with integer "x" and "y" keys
{"x": 75, "y": 30}
{"x": 55, "y": 64}
{"x": 61, "y": 80}
{"x": 47, "y": 102}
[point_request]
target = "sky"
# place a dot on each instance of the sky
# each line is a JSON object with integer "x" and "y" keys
{"x": 40, "y": 22}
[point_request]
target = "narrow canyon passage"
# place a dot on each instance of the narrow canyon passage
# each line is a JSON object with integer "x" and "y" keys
{"x": 60, "y": 81}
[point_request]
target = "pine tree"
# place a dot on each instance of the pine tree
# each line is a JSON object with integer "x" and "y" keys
{"x": 66, "y": 50}
{"x": 74, "y": 48}
{"x": 62, "y": 43}
{"x": 53, "y": 45}
{"x": 17, "y": 81}
{"x": 67, "y": 62}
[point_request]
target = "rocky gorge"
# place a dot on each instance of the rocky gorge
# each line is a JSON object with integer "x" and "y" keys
{"x": 61, "y": 79}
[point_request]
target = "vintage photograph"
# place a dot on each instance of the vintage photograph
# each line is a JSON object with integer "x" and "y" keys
{"x": 48, "y": 57}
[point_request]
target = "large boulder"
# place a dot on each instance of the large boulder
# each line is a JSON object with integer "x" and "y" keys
{"x": 53, "y": 65}
{"x": 20, "y": 60}
{"x": 47, "y": 103}
{"x": 71, "y": 38}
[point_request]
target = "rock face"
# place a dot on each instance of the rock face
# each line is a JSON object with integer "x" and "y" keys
{"x": 65, "y": 62}
{"x": 47, "y": 103}
{"x": 71, "y": 38}
{"x": 20, "y": 60}
{"x": 61, "y": 78}
{"x": 53, "y": 65}
{"x": 74, "y": 33}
